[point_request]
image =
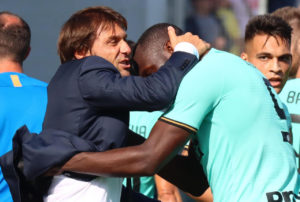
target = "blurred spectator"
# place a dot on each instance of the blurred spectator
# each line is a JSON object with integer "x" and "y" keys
{"x": 244, "y": 10}
{"x": 206, "y": 24}
{"x": 229, "y": 21}
{"x": 275, "y": 4}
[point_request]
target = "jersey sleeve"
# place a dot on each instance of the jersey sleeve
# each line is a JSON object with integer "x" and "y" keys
{"x": 198, "y": 94}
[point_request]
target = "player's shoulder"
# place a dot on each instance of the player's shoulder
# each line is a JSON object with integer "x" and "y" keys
{"x": 19, "y": 79}
{"x": 27, "y": 80}
{"x": 222, "y": 62}
{"x": 290, "y": 85}
{"x": 221, "y": 58}
{"x": 293, "y": 82}
{"x": 222, "y": 54}
{"x": 4, "y": 78}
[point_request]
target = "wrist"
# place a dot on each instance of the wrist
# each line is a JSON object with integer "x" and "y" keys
{"x": 187, "y": 47}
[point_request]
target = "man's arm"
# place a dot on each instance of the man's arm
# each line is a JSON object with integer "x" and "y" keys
{"x": 163, "y": 143}
{"x": 146, "y": 159}
{"x": 102, "y": 87}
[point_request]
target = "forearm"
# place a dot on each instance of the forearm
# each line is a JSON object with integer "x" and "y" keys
{"x": 166, "y": 192}
{"x": 110, "y": 163}
{"x": 145, "y": 159}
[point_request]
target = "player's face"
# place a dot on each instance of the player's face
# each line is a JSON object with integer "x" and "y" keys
{"x": 271, "y": 55}
{"x": 111, "y": 45}
{"x": 146, "y": 65}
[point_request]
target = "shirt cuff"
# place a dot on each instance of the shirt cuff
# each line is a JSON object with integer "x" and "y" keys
{"x": 187, "y": 47}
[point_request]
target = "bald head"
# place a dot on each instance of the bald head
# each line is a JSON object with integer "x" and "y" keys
{"x": 153, "y": 48}
{"x": 14, "y": 37}
{"x": 7, "y": 19}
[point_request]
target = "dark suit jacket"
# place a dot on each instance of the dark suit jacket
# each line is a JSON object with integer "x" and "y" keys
{"x": 88, "y": 110}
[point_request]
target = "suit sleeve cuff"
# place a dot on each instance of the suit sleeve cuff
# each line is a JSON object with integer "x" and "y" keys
{"x": 187, "y": 47}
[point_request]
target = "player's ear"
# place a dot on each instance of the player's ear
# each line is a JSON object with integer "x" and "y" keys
{"x": 168, "y": 47}
{"x": 81, "y": 54}
{"x": 244, "y": 56}
{"x": 28, "y": 52}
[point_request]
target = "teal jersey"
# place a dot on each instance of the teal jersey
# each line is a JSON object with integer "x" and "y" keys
{"x": 240, "y": 130}
{"x": 287, "y": 115}
{"x": 142, "y": 123}
{"x": 290, "y": 95}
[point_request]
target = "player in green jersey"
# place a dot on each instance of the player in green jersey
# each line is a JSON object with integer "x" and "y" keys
{"x": 267, "y": 47}
{"x": 142, "y": 122}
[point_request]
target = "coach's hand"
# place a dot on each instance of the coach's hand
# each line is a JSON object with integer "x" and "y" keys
{"x": 201, "y": 45}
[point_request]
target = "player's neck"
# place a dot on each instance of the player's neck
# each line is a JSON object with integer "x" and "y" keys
{"x": 205, "y": 53}
{"x": 10, "y": 66}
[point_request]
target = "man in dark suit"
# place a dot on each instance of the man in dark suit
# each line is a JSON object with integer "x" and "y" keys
{"x": 89, "y": 99}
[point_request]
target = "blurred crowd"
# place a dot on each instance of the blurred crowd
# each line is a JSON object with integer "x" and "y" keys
{"x": 227, "y": 20}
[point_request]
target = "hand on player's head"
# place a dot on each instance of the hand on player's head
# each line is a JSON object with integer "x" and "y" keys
{"x": 201, "y": 45}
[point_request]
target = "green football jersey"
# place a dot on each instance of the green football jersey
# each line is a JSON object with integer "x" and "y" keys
{"x": 290, "y": 95}
{"x": 241, "y": 130}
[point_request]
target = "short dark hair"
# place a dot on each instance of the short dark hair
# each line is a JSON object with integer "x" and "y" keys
{"x": 269, "y": 25}
{"x": 288, "y": 14}
{"x": 156, "y": 36}
{"x": 14, "y": 38}
{"x": 80, "y": 30}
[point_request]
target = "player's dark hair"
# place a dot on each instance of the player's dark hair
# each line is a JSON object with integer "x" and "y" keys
{"x": 155, "y": 37}
{"x": 14, "y": 38}
{"x": 82, "y": 28}
{"x": 269, "y": 25}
